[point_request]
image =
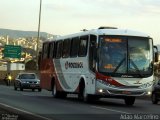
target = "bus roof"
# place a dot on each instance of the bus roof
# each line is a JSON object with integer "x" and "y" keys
{"x": 104, "y": 31}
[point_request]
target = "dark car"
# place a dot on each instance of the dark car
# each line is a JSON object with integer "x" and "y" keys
{"x": 27, "y": 81}
{"x": 156, "y": 92}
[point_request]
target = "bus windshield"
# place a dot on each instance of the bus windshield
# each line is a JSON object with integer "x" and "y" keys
{"x": 125, "y": 56}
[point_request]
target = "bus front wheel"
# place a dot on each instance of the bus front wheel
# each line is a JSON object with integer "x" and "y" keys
{"x": 83, "y": 95}
{"x": 129, "y": 101}
{"x": 154, "y": 98}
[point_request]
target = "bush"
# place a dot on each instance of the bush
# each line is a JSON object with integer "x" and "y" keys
{"x": 31, "y": 65}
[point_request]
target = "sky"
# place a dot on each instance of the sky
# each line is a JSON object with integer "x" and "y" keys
{"x": 62, "y": 17}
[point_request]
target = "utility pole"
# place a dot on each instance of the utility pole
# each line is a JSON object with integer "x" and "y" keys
{"x": 38, "y": 37}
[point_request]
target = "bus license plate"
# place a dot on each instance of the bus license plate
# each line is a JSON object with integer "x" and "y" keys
{"x": 126, "y": 92}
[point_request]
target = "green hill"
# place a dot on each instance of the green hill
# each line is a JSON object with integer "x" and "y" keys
{"x": 19, "y": 33}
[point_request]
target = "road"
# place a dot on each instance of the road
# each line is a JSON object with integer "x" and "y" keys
{"x": 43, "y": 105}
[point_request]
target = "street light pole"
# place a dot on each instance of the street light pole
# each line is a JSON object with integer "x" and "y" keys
{"x": 38, "y": 37}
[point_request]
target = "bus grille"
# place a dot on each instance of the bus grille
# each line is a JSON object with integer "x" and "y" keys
{"x": 125, "y": 92}
{"x": 132, "y": 87}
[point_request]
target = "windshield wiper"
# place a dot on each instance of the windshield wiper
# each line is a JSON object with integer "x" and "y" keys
{"x": 135, "y": 66}
{"x": 119, "y": 65}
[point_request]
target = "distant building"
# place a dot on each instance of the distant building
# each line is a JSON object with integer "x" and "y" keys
{"x": 7, "y": 40}
{"x": 1, "y": 49}
{"x": 12, "y": 66}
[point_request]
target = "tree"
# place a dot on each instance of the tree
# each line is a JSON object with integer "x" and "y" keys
{"x": 31, "y": 65}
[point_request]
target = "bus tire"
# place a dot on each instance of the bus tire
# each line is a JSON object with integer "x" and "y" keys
{"x": 154, "y": 98}
{"x": 129, "y": 101}
{"x": 57, "y": 94}
{"x": 54, "y": 90}
{"x": 84, "y": 96}
{"x": 81, "y": 89}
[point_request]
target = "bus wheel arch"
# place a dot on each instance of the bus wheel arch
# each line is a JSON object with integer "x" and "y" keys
{"x": 81, "y": 88}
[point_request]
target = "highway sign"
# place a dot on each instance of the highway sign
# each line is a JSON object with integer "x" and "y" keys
{"x": 12, "y": 51}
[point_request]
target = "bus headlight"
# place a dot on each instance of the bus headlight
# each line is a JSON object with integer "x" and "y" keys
{"x": 146, "y": 85}
{"x": 103, "y": 82}
{"x": 100, "y": 90}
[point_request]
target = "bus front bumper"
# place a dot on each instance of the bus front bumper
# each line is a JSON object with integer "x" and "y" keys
{"x": 104, "y": 90}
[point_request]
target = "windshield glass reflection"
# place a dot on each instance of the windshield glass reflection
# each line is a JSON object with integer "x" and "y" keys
{"x": 125, "y": 56}
{"x": 139, "y": 56}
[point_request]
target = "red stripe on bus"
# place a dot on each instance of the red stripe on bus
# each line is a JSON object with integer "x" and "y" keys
{"x": 108, "y": 79}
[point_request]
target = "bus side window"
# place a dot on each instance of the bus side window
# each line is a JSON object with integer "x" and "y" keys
{"x": 59, "y": 49}
{"x": 55, "y": 50}
{"x": 92, "y": 53}
{"x": 39, "y": 59}
{"x": 51, "y": 50}
{"x": 48, "y": 50}
{"x": 42, "y": 54}
{"x": 74, "y": 47}
{"x": 83, "y": 46}
{"x": 45, "y": 50}
{"x": 66, "y": 48}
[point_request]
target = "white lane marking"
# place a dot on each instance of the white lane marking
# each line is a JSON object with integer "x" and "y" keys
{"x": 110, "y": 110}
{"x": 28, "y": 94}
{"x": 26, "y": 112}
{"x": 34, "y": 95}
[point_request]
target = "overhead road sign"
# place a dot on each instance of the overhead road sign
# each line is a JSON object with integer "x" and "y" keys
{"x": 12, "y": 51}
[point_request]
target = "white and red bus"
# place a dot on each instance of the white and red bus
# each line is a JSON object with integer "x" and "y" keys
{"x": 104, "y": 62}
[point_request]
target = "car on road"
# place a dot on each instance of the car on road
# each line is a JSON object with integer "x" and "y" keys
{"x": 156, "y": 92}
{"x": 27, "y": 81}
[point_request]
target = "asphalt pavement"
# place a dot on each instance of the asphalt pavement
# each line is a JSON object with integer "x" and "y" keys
{"x": 28, "y": 105}
{"x": 10, "y": 113}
